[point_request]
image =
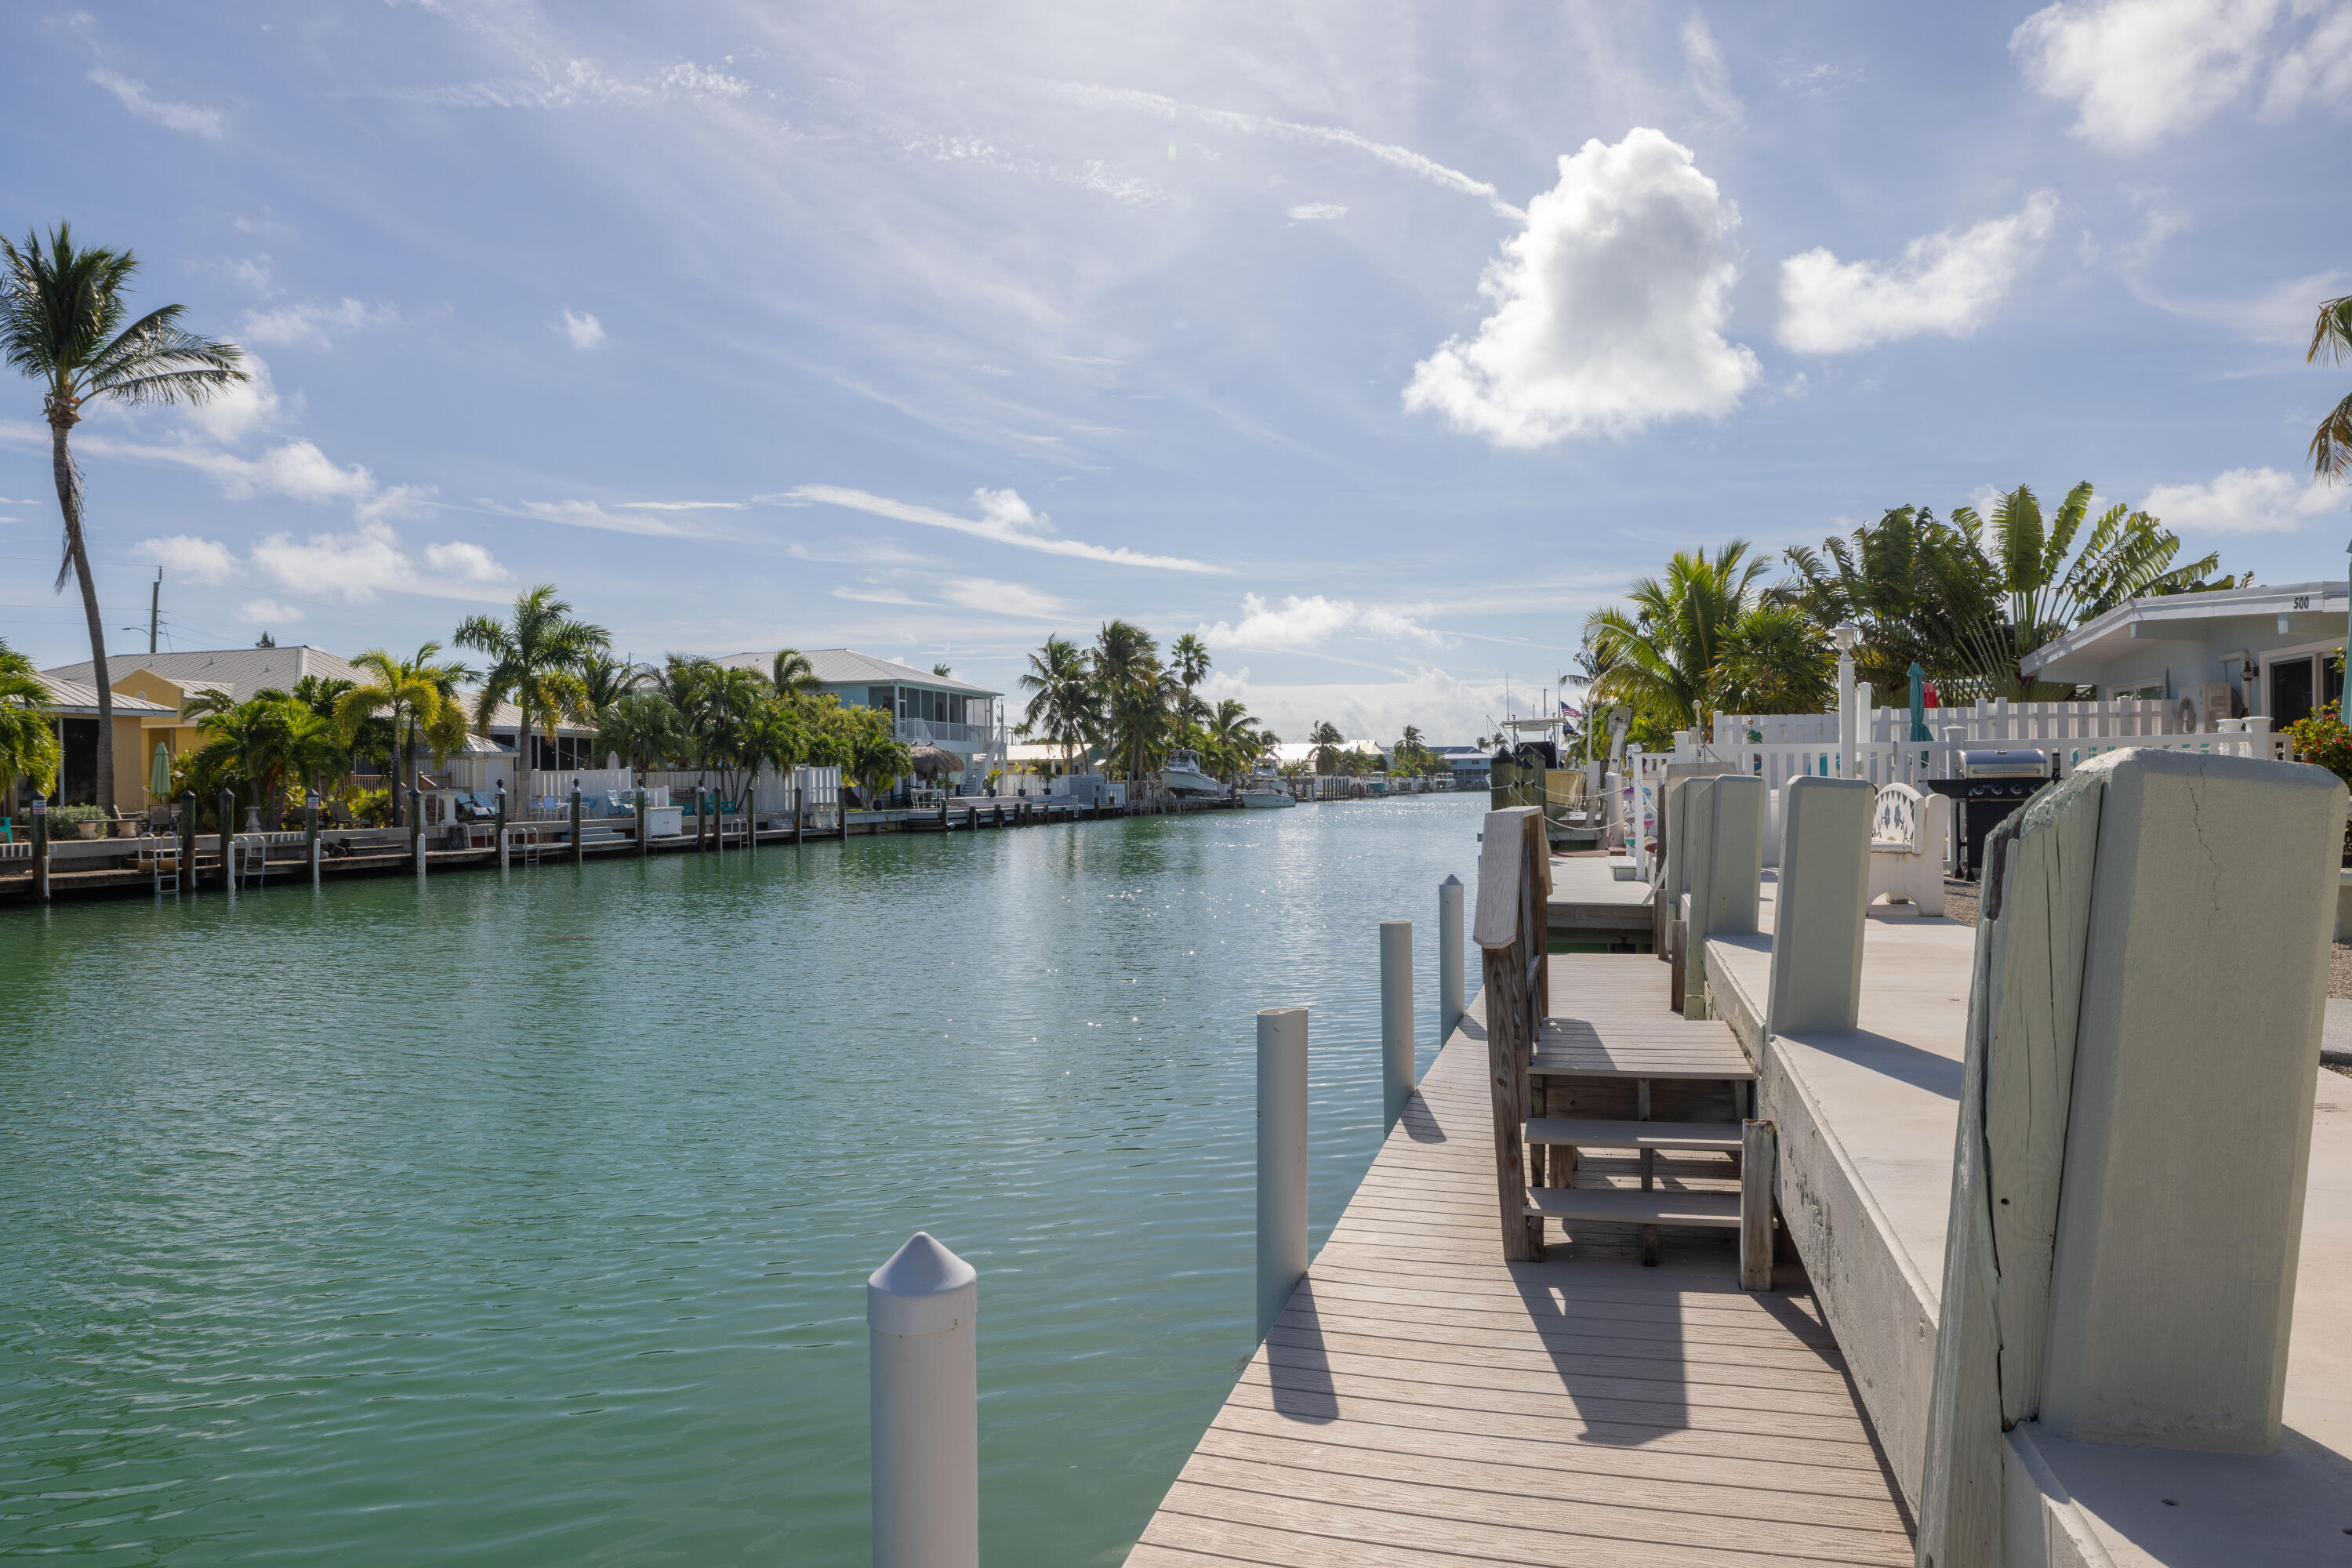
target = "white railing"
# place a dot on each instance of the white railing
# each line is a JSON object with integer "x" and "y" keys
{"x": 555, "y": 783}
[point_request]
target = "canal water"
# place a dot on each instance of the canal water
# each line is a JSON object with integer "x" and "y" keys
{"x": 526, "y": 1220}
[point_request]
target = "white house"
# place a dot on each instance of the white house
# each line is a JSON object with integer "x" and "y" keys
{"x": 2238, "y": 652}
{"x": 925, "y": 708}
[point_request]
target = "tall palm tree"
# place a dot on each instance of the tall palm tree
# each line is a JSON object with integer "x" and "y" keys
{"x": 1127, "y": 677}
{"x": 1061, "y": 706}
{"x": 62, "y": 322}
{"x": 28, "y": 741}
{"x": 1235, "y": 740}
{"x": 2331, "y": 339}
{"x": 419, "y": 696}
{"x": 1189, "y": 656}
{"x": 607, "y": 680}
{"x": 1327, "y": 740}
{"x": 644, "y": 728}
{"x": 536, "y": 660}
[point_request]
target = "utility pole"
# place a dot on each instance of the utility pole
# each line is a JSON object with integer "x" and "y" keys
{"x": 155, "y": 611}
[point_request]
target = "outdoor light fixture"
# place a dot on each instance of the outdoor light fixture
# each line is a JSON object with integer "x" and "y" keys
{"x": 1845, "y": 637}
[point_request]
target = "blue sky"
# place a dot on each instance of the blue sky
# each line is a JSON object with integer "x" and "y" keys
{"x": 1376, "y": 343}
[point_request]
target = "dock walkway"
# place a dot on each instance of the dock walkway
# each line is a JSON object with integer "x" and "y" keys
{"x": 1423, "y": 1402}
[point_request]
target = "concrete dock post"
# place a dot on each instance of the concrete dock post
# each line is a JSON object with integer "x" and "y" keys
{"x": 1450, "y": 1002}
{"x": 1281, "y": 1159}
{"x": 1816, "y": 982}
{"x": 188, "y": 842}
{"x": 579, "y": 846}
{"x": 40, "y": 812}
{"x": 1396, "y": 1020}
{"x": 921, "y": 1321}
{"x": 416, "y": 832}
{"x": 311, "y": 835}
{"x": 644, "y": 822}
{"x": 1847, "y": 714}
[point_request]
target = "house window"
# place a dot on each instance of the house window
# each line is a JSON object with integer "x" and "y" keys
{"x": 878, "y": 696}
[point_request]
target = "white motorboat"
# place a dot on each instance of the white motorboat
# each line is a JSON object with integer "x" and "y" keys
{"x": 1185, "y": 777}
{"x": 1265, "y": 791}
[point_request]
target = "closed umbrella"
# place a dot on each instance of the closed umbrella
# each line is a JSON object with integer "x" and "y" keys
{"x": 159, "y": 776}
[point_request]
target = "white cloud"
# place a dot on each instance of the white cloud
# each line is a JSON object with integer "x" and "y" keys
{"x": 1403, "y": 158}
{"x": 255, "y": 612}
{"x": 875, "y": 595}
{"x": 1298, "y": 624}
{"x": 684, "y": 505}
{"x": 588, "y": 514}
{"x": 370, "y": 559}
{"x": 1308, "y": 212}
{"x": 1004, "y": 598}
{"x": 297, "y": 468}
{"x": 184, "y": 118}
{"x": 1449, "y": 710}
{"x": 1004, "y": 518}
{"x": 238, "y": 409}
{"x": 185, "y": 555}
{"x": 1609, "y": 309}
{"x": 583, "y": 328}
{"x": 1710, "y": 79}
{"x": 2242, "y": 500}
{"x": 1949, "y": 283}
{"x": 465, "y": 561}
{"x": 2319, "y": 71}
{"x": 2140, "y": 71}
{"x": 313, "y": 324}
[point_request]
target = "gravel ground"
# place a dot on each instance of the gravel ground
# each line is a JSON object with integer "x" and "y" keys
{"x": 1960, "y": 902}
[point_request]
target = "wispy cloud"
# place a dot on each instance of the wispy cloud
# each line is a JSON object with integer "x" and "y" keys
{"x": 589, "y": 514}
{"x": 684, "y": 505}
{"x": 184, "y": 118}
{"x": 1005, "y": 519}
{"x": 873, "y": 596}
{"x": 1313, "y": 212}
{"x": 1403, "y": 158}
{"x": 995, "y": 598}
{"x": 583, "y": 328}
{"x": 314, "y": 324}
{"x": 371, "y": 560}
{"x": 1297, "y": 625}
{"x": 1950, "y": 283}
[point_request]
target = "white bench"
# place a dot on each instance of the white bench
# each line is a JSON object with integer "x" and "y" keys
{"x": 1906, "y": 847}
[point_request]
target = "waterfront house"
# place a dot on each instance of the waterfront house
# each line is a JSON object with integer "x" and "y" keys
{"x": 165, "y": 682}
{"x": 73, "y": 708}
{"x": 2236, "y": 652}
{"x": 1470, "y": 765}
{"x": 925, "y": 708}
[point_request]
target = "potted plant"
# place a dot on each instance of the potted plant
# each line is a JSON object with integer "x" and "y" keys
{"x": 76, "y": 821}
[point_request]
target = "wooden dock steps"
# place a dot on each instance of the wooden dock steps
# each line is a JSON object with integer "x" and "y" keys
{"x": 1585, "y": 1132}
{"x": 1620, "y": 1207}
{"x": 1423, "y": 1402}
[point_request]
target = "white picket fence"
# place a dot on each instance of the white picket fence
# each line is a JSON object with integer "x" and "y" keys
{"x": 1793, "y": 745}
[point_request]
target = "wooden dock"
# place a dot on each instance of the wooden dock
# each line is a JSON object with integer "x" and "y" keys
{"x": 1423, "y": 1402}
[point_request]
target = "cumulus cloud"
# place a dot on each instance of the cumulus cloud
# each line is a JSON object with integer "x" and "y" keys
{"x": 370, "y": 559}
{"x": 2140, "y": 71}
{"x": 1004, "y": 518}
{"x": 1950, "y": 283}
{"x": 583, "y": 328}
{"x": 1296, "y": 623}
{"x": 240, "y": 408}
{"x": 314, "y": 324}
{"x": 2242, "y": 500}
{"x": 257, "y": 612}
{"x": 1608, "y": 308}
{"x": 1449, "y": 710}
{"x": 186, "y": 555}
{"x": 184, "y": 118}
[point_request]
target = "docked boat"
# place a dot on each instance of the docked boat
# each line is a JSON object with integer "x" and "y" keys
{"x": 1265, "y": 791}
{"x": 1185, "y": 777}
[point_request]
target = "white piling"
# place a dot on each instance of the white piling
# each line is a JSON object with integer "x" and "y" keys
{"x": 921, "y": 1321}
{"x": 1816, "y": 975}
{"x": 1281, "y": 1159}
{"x": 1450, "y": 1002}
{"x": 1396, "y": 1020}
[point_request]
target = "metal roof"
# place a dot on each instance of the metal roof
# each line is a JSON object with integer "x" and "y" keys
{"x": 241, "y": 671}
{"x": 80, "y": 697}
{"x": 846, "y": 666}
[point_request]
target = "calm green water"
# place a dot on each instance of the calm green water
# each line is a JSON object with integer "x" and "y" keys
{"x": 528, "y": 1222}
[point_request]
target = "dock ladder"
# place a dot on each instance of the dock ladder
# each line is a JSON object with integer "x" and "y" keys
{"x": 248, "y": 855}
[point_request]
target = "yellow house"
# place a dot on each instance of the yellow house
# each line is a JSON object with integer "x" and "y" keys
{"x": 74, "y": 708}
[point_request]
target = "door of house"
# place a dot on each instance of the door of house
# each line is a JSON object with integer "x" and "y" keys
{"x": 2291, "y": 691}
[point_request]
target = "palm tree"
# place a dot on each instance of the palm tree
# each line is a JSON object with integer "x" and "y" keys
{"x": 1234, "y": 738}
{"x": 1663, "y": 656}
{"x": 607, "y": 680}
{"x": 62, "y": 322}
{"x": 1327, "y": 740}
{"x": 264, "y": 742}
{"x": 2331, "y": 337}
{"x": 795, "y": 677}
{"x": 1127, "y": 677}
{"x": 419, "y": 696}
{"x": 1190, "y": 656}
{"x": 1061, "y": 706}
{"x": 536, "y": 664}
{"x": 29, "y": 740}
{"x": 644, "y": 728}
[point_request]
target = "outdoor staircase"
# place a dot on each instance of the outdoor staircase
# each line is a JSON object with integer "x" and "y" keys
{"x": 1648, "y": 1206}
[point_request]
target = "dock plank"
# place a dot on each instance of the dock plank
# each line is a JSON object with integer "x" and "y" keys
{"x": 1422, "y": 1401}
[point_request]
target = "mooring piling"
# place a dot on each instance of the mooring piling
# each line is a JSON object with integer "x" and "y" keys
{"x": 921, "y": 1311}
{"x": 1281, "y": 1159}
{"x": 1396, "y": 1020}
{"x": 1450, "y": 1003}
